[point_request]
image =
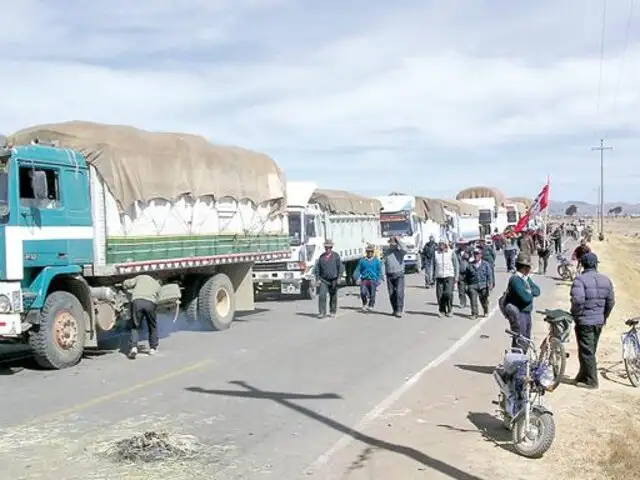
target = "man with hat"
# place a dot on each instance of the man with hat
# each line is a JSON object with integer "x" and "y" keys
{"x": 518, "y": 299}
{"x": 592, "y": 300}
{"x": 328, "y": 270}
{"x": 478, "y": 279}
{"x": 369, "y": 273}
{"x": 394, "y": 271}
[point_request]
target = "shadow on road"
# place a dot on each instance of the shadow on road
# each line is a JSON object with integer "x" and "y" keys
{"x": 488, "y": 426}
{"x": 416, "y": 312}
{"x": 485, "y": 369}
{"x": 284, "y": 399}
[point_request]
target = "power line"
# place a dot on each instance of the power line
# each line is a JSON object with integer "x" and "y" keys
{"x": 602, "y": 37}
{"x": 622, "y": 59}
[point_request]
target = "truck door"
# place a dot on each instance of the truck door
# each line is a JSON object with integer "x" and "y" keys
{"x": 44, "y": 243}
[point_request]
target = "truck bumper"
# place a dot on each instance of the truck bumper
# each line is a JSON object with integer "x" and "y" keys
{"x": 11, "y": 319}
{"x": 285, "y": 283}
{"x": 411, "y": 259}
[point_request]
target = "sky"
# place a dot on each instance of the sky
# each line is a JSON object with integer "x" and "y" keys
{"x": 424, "y": 97}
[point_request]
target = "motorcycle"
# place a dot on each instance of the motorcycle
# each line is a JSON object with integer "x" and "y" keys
{"x": 523, "y": 381}
{"x": 564, "y": 268}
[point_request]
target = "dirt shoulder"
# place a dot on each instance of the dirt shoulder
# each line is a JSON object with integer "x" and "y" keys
{"x": 448, "y": 427}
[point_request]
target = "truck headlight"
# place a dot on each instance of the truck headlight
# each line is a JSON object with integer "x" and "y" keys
{"x": 293, "y": 266}
{"x": 5, "y": 304}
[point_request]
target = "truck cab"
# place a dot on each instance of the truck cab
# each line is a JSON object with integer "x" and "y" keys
{"x": 407, "y": 226}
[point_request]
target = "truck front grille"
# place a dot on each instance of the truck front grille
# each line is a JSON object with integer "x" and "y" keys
{"x": 270, "y": 267}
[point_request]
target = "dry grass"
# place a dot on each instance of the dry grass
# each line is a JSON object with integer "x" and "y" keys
{"x": 604, "y": 439}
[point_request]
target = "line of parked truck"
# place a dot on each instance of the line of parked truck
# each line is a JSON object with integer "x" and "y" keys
{"x": 84, "y": 206}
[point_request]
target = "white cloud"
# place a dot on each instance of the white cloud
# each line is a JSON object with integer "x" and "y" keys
{"x": 432, "y": 97}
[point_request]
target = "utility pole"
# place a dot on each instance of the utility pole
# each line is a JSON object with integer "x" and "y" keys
{"x": 602, "y": 148}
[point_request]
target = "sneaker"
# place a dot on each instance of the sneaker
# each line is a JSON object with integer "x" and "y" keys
{"x": 133, "y": 353}
{"x": 333, "y": 315}
{"x": 365, "y": 308}
{"x": 448, "y": 314}
{"x": 398, "y": 314}
{"x": 152, "y": 351}
{"x": 322, "y": 315}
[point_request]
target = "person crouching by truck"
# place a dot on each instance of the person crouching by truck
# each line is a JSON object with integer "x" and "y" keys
{"x": 328, "y": 270}
{"x": 144, "y": 291}
{"x": 368, "y": 273}
{"x": 394, "y": 271}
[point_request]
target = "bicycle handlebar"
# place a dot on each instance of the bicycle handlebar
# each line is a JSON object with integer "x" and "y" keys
{"x": 518, "y": 336}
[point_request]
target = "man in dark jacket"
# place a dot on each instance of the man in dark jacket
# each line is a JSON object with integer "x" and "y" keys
{"x": 478, "y": 279}
{"x": 144, "y": 291}
{"x": 592, "y": 300}
{"x": 544, "y": 252}
{"x": 521, "y": 290}
{"x": 328, "y": 271}
{"x": 489, "y": 256}
{"x": 578, "y": 253}
{"x": 394, "y": 271}
{"x": 463, "y": 263}
{"x": 428, "y": 254}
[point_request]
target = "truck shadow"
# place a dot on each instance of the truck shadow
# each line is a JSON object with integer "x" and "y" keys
{"x": 287, "y": 400}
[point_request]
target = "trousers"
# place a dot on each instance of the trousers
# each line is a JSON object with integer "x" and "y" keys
{"x": 143, "y": 311}
{"x": 587, "y": 337}
{"x": 478, "y": 295}
{"x": 368, "y": 293}
{"x": 395, "y": 286}
{"x": 444, "y": 294}
{"x": 327, "y": 288}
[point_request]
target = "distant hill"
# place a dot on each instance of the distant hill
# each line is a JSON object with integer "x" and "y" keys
{"x": 558, "y": 208}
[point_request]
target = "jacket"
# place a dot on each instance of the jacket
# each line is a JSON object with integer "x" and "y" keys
{"x": 329, "y": 268}
{"x": 429, "y": 251}
{"x": 394, "y": 260}
{"x": 478, "y": 275}
{"x": 368, "y": 269}
{"x": 521, "y": 292}
{"x": 446, "y": 264}
{"x": 592, "y": 298}
{"x": 143, "y": 287}
{"x": 489, "y": 254}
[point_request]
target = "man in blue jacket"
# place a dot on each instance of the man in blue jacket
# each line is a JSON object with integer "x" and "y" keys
{"x": 521, "y": 290}
{"x": 592, "y": 300}
{"x": 478, "y": 279}
{"x": 369, "y": 273}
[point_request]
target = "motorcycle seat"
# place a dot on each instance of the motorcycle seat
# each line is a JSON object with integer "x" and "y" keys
{"x": 632, "y": 322}
{"x": 557, "y": 315}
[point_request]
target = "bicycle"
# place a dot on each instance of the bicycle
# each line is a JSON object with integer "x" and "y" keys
{"x": 631, "y": 351}
{"x": 564, "y": 267}
{"x": 552, "y": 349}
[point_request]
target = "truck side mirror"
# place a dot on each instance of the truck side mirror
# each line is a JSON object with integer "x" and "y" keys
{"x": 39, "y": 185}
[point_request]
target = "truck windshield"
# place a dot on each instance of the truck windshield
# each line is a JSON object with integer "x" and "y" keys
{"x": 485, "y": 216}
{"x": 295, "y": 229}
{"x": 512, "y": 216}
{"x": 4, "y": 189}
{"x": 395, "y": 225}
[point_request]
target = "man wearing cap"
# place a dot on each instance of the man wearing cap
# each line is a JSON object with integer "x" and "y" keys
{"x": 328, "y": 270}
{"x": 394, "y": 271}
{"x": 478, "y": 278}
{"x": 428, "y": 254}
{"x": 446, "y": 267}
{"x": 489, "y": 256}
{"x": 463, "y": 262}
{"x": 592, "y": 300}
{"x": 369, "y": 273}
{"x": 518, "y": 300}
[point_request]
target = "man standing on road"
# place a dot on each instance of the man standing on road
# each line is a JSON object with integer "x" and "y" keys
{"x": 394, "y": 271}
{"x": 544, "y": 252}
{"x": 556, "y": 236}
{"x": 144, "y": 291}
{"x": 328, "y": 271}
{"x": 489, "y": 256}
{"x": 592, "y": 300}
{"x": 369, "y": 273}
{"x": 463, "y": 262}
{"x": 446, "y": 267}
{"x": 518, "y": 300}
{"x": 479, "y": 284}
{"x": 579, "y": 252}
{"x": 510, "y": 251}
{"x": 428, "y": 254}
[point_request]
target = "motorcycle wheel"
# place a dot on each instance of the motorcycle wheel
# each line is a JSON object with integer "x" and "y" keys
{"x": 536, "y": 442}
{"x": 564, "y": 272}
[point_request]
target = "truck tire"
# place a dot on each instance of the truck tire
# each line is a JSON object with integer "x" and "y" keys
{"x": 192, "y": 310}
{"x": 309, "y": 289}
{"x": 217, "y": 302}
{"x": 58, "y": 341}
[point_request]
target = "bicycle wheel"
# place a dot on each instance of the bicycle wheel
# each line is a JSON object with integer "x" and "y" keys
{"x": 631, "y": 357}
{"x": 553, "y": 352}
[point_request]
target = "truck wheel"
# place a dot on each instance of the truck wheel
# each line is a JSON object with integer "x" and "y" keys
{"x": 217, "y": 302}
{"x": 192, "y": 310}
{"x": 309, "y": 289}
{"x": 58, "y": 341}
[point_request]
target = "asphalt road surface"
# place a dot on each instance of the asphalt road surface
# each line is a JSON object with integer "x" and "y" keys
{"x": 265, "y": 399}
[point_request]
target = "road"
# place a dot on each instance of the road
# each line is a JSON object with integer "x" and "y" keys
{"x": 267, "y": 398}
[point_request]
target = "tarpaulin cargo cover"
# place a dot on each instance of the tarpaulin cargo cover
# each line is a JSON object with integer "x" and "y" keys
{"x": 339, "y": 201}
{"x": 141, "y": 165}
{"x": 482, "y": 192}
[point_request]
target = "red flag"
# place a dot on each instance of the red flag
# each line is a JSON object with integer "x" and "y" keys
{"x": 538, "y": 206}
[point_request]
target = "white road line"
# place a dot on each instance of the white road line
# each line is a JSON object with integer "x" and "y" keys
{"x": 388, "y": 402}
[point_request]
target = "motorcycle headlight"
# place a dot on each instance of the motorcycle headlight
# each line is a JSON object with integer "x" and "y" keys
{"x": 5, "y": 304}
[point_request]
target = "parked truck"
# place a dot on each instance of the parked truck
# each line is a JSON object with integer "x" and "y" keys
{"x": 351, "y": 221}
{"x": 414, "y": 219}
{"x": 85, "y": 206}
{"x": 490, "y": 204}
{"x": 466, "y": 220}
